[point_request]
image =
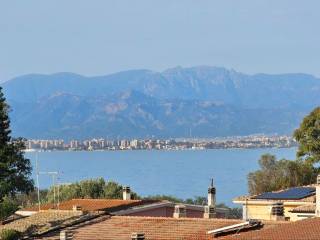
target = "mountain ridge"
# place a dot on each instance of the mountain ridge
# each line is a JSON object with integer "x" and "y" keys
{"x": 211, "y": 101}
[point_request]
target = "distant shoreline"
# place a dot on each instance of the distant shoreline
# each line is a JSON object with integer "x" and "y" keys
{"x": 158, "y": 150}
{"x": 101, "y": 144}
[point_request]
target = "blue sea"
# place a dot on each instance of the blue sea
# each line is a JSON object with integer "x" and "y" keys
{"x": 183, "y": 174}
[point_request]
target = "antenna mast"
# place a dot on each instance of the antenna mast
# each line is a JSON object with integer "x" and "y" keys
{"x": 53, "y": 175}
{"x": 38, "y": 184}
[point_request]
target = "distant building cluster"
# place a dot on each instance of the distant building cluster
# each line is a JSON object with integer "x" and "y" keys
{"x": 159, "y": 144}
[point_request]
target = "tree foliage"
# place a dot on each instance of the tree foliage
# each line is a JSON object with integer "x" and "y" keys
{"x": 165, "y": 198}
{"x": 10, "y": 234}
{"x": 7, "y": 208}
{"x": 308, "y": 137}
{"x": 91, "y": 188}
{"x": 197, "y": 200}
{"x": 280, "y": 174}
{"x": 15, "y": 169}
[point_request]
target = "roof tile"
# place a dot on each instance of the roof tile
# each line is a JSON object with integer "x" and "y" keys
{"x": 308, "y": 229}
{"x": 91, "y": 204}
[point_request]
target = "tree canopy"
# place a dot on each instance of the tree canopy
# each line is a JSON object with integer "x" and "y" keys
{"x": 7, "y": 207}
{"x": 280, "y": 174}
{"x": 15, "y": 169}
{"x": 90, "y": 188}
{"x": 308, "y": 137}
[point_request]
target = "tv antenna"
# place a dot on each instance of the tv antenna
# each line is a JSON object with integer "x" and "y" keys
{"x": 54, "y": 177}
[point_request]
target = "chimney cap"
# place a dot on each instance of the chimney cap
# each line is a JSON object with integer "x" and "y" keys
{"x": 64, "y": 235}
{"x": 180, "y": 208}
{"x": 180, "y": 211}
{"x": 277, "y": 209}
{"x": 137, "y": 236}
{"x": 76, "y": 208}
{"x": 211, "y": 188}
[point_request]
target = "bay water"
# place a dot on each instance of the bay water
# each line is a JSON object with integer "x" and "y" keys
{"x": 183, "y": 174}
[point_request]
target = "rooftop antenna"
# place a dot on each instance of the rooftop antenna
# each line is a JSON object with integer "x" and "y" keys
{"x": 38, "y": 185}
{"x": 58, "y": 184}
{"x": 54, "y": 176}
{"x": 211, "y": 182}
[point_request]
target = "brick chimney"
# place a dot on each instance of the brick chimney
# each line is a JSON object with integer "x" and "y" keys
{"x": 126, "y": 193}
{"x": 180, "y": 211}
{"x": 318, "y": 197}
{"x": 137, "y": 236}
{"x": 212, "y": 195}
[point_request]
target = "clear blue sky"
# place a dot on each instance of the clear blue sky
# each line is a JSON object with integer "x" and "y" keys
{"x": 95, "y": 37}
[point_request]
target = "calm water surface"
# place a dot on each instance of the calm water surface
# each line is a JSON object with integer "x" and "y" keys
{"x": 179, "y": 173}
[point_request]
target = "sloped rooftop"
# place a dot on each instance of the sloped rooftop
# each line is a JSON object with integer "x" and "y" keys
{"x": 92, "y": 204}
{"x": 297, "y": 194}
{"x": 311, "y": 208}
{"x": 154, "y": 228}
{"x": 308, "y": 229}
{"x": 42, "y": 221}
{"x": 294, "y": 193}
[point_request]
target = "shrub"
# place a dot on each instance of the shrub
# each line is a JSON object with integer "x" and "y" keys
{"x": 7, "y": 207}
{"x": 10, "y": 234}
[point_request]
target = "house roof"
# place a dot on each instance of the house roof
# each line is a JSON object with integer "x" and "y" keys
{"x": 154, "y": 228}
{"x": 308, "y": 229}
{"x": 164, "y": 203}
{"x": 93, "y": 204}
{"x": 295, "y": 194}
{"x": 311, "y": 208}
{"x": 41, "y": 221}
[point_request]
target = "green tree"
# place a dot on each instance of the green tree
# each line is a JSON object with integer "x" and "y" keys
{"x": 308, "y": 137}
{"x": 279, "y": 174}
{"x": 112, "y": 190}
{"x": 7, "y": 207}
{"x": 91, "y": 188}
{"x": 198, "y": 200}
{"x": 165, "y": 197}
{"x": 15, "y": 169}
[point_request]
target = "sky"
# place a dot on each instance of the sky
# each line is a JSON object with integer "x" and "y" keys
{"x": 97, "y": 37}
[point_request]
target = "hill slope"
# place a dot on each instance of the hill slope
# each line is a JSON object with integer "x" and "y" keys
{"x": 203, "y": 101}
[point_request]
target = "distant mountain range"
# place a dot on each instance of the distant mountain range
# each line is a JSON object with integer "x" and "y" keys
{"x": 179, "y": 102}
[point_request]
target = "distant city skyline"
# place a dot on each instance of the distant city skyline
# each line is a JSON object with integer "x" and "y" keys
{"x": 102, "y": 37}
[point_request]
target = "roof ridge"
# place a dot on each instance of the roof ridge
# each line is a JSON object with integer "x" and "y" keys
{"x": 103, "y": 199}
{"x": 178, "y": 219}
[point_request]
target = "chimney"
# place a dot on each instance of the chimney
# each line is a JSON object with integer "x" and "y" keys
{"x": 212, "y": 195}
{"x": 126, "y": 193}
{"x": 318, "y": 197}
{"x": 137, "y": 236}
{"x": 76, "y": 208}
{"x": 277, "y": 212}
{"x": 65, "y": 235}
{"x": 180, "y": 211}
{"x": 209, "y": 212}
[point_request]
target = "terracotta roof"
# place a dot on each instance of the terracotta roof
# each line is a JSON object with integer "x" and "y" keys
{"x": 308, "y": 229}
{"x": 305, "y": 209}
{"x": 41, "y": 221}
{"x": 154, "y": 228}
{"x": 93, "y": 204}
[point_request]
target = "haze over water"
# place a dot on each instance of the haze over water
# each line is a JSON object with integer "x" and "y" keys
{"x": 183, "y": 174}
